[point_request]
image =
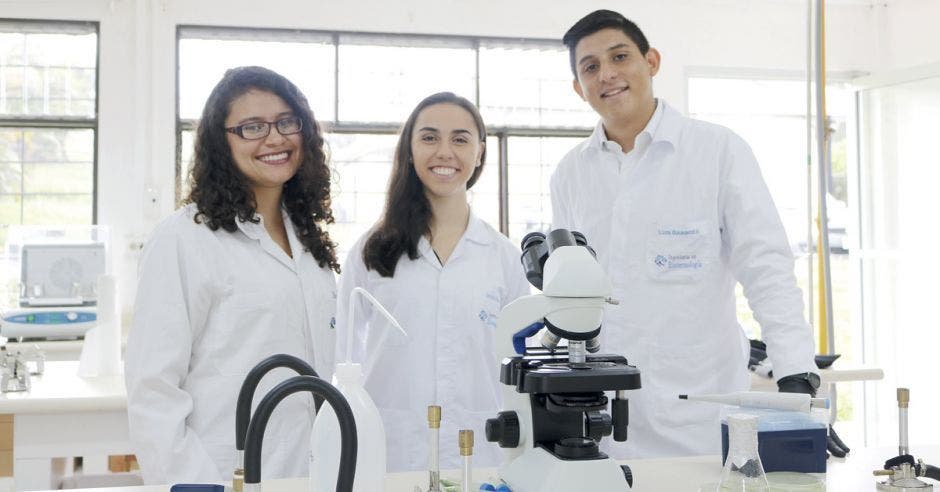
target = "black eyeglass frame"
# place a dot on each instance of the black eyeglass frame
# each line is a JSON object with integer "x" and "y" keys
{"x": 239, "y": 130}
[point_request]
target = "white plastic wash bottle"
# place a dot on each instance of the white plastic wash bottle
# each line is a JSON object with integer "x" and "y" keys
{"x": 325, "y": 439}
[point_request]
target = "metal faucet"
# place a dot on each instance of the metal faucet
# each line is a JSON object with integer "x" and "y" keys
{"x": 15, "y": 369}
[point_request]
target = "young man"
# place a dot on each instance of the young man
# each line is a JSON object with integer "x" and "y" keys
{"x": 678, "y": 213}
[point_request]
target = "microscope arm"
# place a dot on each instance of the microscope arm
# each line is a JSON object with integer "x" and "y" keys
{"x": 524, "y": 311}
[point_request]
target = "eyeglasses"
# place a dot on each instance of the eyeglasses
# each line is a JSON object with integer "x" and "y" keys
{"x": 256, "y": 130}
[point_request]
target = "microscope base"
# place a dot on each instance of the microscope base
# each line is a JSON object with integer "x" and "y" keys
{"x": 538, "y": 470}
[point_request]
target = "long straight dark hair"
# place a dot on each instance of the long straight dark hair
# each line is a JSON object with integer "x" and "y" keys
{"x": 407, "y": 214}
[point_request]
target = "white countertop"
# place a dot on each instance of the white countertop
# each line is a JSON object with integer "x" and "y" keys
{"x": 61, "y": 390}
{"x": 853, "y": 473}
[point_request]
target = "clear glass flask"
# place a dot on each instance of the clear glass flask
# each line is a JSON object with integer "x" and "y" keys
{"x": 743, "y": 471}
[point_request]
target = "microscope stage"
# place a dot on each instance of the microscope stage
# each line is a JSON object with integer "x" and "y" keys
{"x": 555, "y": 374}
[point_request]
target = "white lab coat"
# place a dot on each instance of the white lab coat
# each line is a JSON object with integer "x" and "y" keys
{"x": 448, "y": 358}
{"x": 211, "y": 305}
{"x": 675, "y": 223}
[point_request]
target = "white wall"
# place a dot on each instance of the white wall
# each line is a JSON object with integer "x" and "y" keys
{"x": 911, "y": 35}
{"x": 137, "y": 61}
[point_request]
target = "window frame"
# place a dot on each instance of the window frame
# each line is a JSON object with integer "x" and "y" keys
{"x": 501, "y": 132}
{"x": 64, "y": 122}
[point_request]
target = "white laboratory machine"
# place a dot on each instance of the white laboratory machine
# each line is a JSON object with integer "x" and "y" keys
{"x": 56, "y": 292}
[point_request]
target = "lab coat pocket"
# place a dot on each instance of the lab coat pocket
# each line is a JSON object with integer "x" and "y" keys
{"x": 680, "y": 368}
{"x": 252, "y": 329}
{"x": 680, "y": 252}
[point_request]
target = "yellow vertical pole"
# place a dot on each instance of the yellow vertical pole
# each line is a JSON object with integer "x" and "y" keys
{"x": 824, "y": 325}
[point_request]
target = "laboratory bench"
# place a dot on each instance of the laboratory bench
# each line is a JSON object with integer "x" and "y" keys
{"x": 53, "y": 350}
{"x": 65, "y": 416}
{"x": 853, "y": 473}
{"x": 62, "y": 416}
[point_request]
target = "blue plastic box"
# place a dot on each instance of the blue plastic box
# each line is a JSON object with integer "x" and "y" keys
{"x": 786, "y": 441}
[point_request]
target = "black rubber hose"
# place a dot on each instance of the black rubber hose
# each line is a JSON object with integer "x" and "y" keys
{"x": 247, "y": 392}
{"x": 899, "y": 460}
{"x": 933, "y": 472}
{"x": 834, "y": 448}
{"x": 835, "y": 438}
{"x": 347, "y": 428}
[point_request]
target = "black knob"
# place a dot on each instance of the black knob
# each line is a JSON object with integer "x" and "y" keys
{"x": 621, "y": 413}
{"x": 577, "y": 448}
{"x": 504, "y": 429}
{"x": 627, "y": 474}
{"x": 597, "y": 425}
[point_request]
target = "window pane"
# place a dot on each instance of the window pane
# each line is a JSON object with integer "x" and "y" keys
{"x": 46, "y": 74}
{"x": 57, "y": 209}
{"x": 54, "y": 145}
{"x": 484, "y": 196}
{"x": 898, "y": 180}
{"x": 39, "y": 161}
{"x": 530, "y": 87}
{"x": 11, "y": 209}
{"x": 531, "y": 163}
{"x": 186, "y": 162}
{"x": 51, "y": 177}
{"x": 11, "y": 150}
{"x": 308, "y": 64}
{"x": 361, "y": 166}
{"x": 11, "y": 175}
{"x": 770, "y": 115}
{"x": 382, "y": 81}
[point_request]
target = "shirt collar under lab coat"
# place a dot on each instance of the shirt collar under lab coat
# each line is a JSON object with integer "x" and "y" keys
{"x": 663, "y": 127}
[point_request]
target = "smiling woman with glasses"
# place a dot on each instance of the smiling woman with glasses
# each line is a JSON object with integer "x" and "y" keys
{"x": 242, "y": 272}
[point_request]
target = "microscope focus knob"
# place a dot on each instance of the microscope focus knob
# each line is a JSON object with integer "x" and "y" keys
{"x": 597, "y": 425}
{"x": 504, "y": 429}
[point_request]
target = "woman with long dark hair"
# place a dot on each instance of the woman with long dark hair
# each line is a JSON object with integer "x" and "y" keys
{"x": 445, "y": 275}
{"x": 242, "y": 272}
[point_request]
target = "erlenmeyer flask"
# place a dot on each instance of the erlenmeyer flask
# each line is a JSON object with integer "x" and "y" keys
{"x": 743, "y": 471}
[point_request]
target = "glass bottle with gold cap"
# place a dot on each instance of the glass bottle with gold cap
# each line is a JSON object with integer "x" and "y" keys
{"x": 434, "y": 465}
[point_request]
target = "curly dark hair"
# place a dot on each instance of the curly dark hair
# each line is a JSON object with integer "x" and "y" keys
{"x": 407, "y": 214}
{"x": 223, "y": 194}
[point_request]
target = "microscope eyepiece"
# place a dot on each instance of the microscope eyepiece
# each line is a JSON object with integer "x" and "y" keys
{"x": 559, "y": 238}
{"x": 536, "y": 248}
{"x": 534, "y": 254}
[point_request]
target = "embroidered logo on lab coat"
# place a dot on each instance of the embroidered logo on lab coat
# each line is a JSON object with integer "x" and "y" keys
{"x": 491, "y": 303}
{"x": 488, "y": 319}
{"x": 677, "y": 262}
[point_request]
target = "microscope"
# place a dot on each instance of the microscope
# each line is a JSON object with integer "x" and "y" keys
{"x": 554, "y": 396}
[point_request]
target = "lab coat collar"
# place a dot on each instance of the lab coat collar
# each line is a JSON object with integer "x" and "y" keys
{"x": 254, "y": 230}
{"x": 663, "y": 127}
{"x": 476, "y": 232}
{"x": 257, "y": 232}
